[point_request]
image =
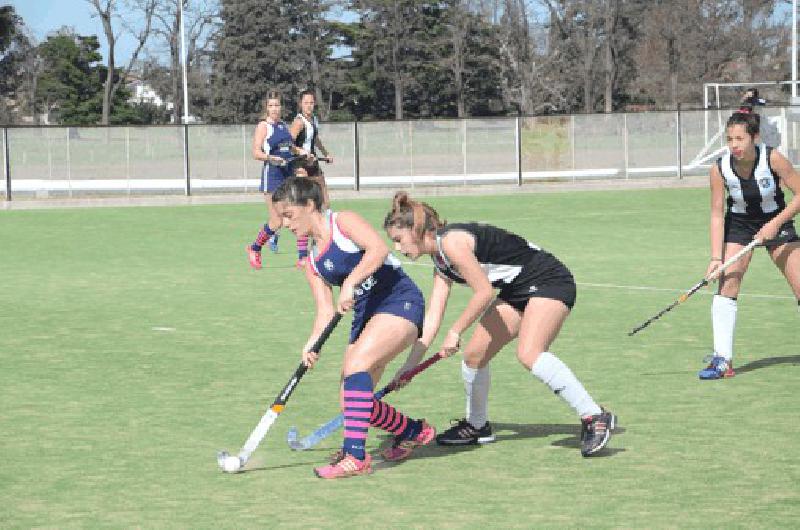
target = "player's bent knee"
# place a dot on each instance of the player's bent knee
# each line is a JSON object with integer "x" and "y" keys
{"x": 528, "y": 356}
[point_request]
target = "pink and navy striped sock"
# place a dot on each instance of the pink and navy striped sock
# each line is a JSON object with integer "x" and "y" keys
{"x": 263, "y": 236}
{"x": 388, "y": 418}
{"x": 302, "y": 247}
{"x": 357, "y": 412}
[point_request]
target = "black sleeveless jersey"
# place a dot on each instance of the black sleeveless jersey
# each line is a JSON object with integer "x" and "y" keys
{"x": 509, "y": 261}
{"x": 306, "y": 138}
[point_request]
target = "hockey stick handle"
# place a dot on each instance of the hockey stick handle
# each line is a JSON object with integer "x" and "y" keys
{"x": 409, "y": 375}
{"x": 736, "y": 257}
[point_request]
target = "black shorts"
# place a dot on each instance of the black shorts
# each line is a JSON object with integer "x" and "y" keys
{"x": 742, "y": 230}
{"x": 564, "y": 291}
{"x": 543, "y": 277}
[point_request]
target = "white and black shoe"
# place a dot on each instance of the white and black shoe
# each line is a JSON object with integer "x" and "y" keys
{"x": 596, "y": 431}
{"x": 464, "y": 433}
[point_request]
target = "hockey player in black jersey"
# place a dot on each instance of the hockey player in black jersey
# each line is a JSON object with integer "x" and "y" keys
{"x": 536, "y": 293}
{"x": 750, "y": 175}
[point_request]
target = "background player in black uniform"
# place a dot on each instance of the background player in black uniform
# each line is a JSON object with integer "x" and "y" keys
{"x": 750, "y": 174}
{"x": 305, "y": 131}
{"x": 536, "y": 294}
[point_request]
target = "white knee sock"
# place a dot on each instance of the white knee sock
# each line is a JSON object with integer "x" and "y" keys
{"x": 723, "y": 322}
{"x": 476, "y": 384}
{"x": 557, "y": 375}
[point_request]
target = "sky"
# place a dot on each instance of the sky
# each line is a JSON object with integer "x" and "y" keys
{"x": 44, "y": 16}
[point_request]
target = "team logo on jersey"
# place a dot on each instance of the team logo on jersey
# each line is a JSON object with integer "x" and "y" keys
{"x": 764, "y": 182}
{"x": 407, "y": 306}
{"x": 328, "y": 264}
{"x": 533, "y": 289}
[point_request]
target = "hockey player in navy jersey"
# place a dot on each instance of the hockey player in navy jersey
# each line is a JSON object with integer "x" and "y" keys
{"x": 387, "y": 310}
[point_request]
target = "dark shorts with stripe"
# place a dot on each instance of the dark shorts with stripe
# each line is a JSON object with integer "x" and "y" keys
{"x": 404, "y": 299}
{"x": 742, "y": 230}
{"x": 273, "y": 176}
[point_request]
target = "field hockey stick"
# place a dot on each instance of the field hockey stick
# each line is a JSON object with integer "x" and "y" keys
{"x": 336, "y": 423}
{"x": 696, "y": 287}
{"x": 232, "y": 464}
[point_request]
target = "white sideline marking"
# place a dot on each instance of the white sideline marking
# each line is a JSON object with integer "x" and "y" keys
{"x": 646, "y": 288}
{"x": 707, "y": 293}
{"x": 158, "y": 328}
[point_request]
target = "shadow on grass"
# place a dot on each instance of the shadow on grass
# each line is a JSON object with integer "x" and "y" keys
{"x": 766, "y": 363}
{"x": 505, "y": 432}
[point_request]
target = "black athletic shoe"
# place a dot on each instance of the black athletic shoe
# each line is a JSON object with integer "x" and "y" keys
{"x": 596, "y": 431}
{"x": 463, "y": 433}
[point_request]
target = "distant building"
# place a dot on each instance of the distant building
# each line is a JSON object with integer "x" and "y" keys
{"x": 142, "y": 93}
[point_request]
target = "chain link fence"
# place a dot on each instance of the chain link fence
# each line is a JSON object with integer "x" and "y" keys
{"x": 47, "y": 162}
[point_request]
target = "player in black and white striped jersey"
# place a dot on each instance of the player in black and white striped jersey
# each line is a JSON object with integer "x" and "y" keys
{"x": 536, "y": 294}
{"x": 305, "y": 132}
{"x": 750, "y": 174}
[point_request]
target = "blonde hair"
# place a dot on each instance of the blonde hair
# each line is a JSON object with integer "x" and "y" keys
{"x": 416, "y": 215}
{"x": 272, "y": 94}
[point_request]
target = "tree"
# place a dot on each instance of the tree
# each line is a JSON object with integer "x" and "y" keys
{"x": 106, "y": 11}
{"x": 16, "y": 51}
{"x": 71, "y": 82}
{"x": 254, "y": 54}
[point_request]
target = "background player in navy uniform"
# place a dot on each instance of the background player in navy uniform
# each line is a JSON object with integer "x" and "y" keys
{"x": 274, "y": 145}
{"x": 387, "y": 317}
{"x": 536, "y": 294}
{"x": 305, "y": 131}
{"x": 750, "y": 174}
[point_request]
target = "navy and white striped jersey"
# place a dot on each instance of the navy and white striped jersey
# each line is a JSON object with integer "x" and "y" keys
{"x": 757, "y": 195}
{"x": 307, "y": 136}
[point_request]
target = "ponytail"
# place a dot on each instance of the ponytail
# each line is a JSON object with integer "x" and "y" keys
{"x": 417, "y": 216}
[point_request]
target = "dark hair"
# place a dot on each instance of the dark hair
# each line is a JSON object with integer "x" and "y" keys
{"x": 751, "y": 121}
{"x": 408, "y": 213}
{"x": 306, "y": 92}
{"x": 299, "y": 191}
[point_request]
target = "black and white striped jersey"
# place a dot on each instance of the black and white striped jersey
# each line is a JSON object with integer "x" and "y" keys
{"x": 307, "y": 136}
{"x": 756, "y": 195}
{"x": 508, "y": 260}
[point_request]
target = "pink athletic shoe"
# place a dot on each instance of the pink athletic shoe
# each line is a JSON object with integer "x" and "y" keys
{"x": 347, "y": 466}
{"x": 402, "y": 449}
{"x": 254, "y": 256}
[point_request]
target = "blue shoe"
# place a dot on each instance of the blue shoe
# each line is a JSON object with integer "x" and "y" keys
{"x": 273, "y": 243}
{"x": 718, "y": 368}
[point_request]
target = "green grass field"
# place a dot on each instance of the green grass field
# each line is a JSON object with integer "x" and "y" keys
{"x": 136, "y": 342}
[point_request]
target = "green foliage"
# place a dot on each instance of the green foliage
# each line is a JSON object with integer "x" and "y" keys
{"x": 71, "y": 84}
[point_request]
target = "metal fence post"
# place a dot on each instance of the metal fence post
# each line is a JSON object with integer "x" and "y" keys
{"x": 356, "y": 169}
{"x": 69, "y": 166}
{"x": 244, "y": 158}
{"x": 186, "y": 159}
{"x": 678, "y": 140}
{"x": 518, "y": 141}
{"x": 128, "y": 159}
{"x": 6, "y": 164}
{"x": 464, "y": 147}
{"x": 625, "y": 143}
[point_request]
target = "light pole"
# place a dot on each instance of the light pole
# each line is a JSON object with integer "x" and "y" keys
{"x": 183, "y": 65}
